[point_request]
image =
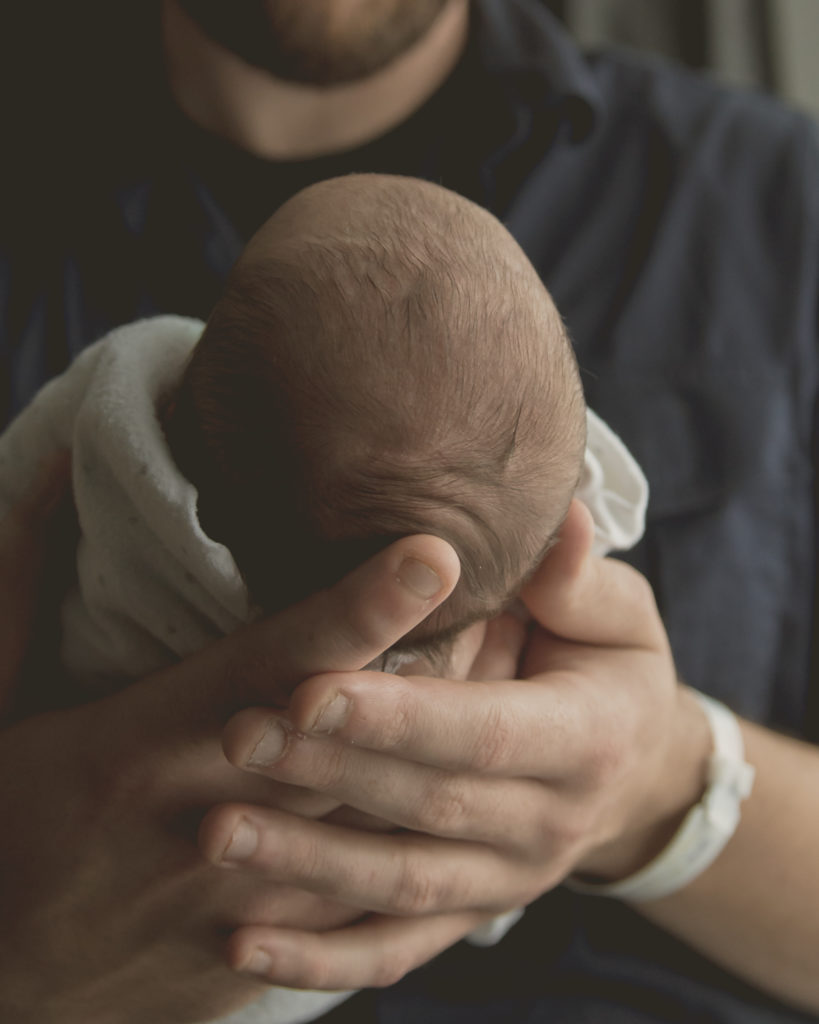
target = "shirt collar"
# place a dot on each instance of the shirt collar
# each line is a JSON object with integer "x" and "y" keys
{"x": 524, "y": 46}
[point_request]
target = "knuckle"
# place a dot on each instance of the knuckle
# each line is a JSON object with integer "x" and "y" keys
{"x": 124, "y": 782}
{"x": 303, "y": 860}
{"x": 415, "y": 891}
{"x": 443, "y": 810}
{"x": 603, "y": 763}
{"x": 575, "y": 827}
{"x": 412, "y": 894}
{"x": 328, "y": 767}
{"x": 614, "y": 759}
{"x": 285, "y": 857}
{"x": 398, "y": 727}
{"x": 121, "y": 769}
{"x": 546, "y": 852}
{"x": 571, "y": 833}
{"x": 552, "y": 835}
{"x": 541, "y": 842}
{"x": 535, "y": 842}
{"x": 606, "y": 753}
{"x": 243, "y": 672}
{"x": 495, "y": 741}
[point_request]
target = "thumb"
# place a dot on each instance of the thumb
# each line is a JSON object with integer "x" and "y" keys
{"x": 340, "y": 629}
{"x": 24, "y": 534}
{"x": 585, "y": 599}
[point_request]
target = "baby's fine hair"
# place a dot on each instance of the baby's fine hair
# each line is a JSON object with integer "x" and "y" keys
{"x": 384, "y": 361}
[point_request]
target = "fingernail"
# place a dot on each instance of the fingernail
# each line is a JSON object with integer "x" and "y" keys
{"x": 419, "y": 578}
{"x": 270, "y": 747}
{"x": 242, "y": 843}
{"x": 259, "y": 962}
{"x": 333, "y": 715}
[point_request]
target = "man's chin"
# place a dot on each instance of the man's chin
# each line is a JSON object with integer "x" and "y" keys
{"x": 296, "y": 41}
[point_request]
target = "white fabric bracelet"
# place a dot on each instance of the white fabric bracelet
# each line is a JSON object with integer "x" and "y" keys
{"x": 707, "y": 827}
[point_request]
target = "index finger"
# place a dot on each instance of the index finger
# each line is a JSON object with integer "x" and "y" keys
{"x": 340, "y": 629}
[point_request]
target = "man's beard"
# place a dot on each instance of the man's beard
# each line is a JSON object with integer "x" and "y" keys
{"x": 304, "y": 41}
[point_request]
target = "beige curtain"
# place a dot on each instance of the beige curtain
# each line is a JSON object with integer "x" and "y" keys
{"x": 769, "y": 44}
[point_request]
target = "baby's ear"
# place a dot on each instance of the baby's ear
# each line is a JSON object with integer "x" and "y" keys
{"x": 435, "y": 657}
{"x": 405, "y": 663}
{"x": 410, "y": 663}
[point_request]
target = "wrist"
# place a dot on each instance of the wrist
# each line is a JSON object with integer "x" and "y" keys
{"x": 677, "y": 785}
{"x": 707, "y": 827}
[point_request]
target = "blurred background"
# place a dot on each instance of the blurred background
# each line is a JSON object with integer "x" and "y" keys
{"x": 68, "y": 70}
{"x": 767, "y": 44}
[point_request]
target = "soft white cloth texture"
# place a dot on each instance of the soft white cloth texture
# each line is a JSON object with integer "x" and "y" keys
{"x": 151, "y": 586}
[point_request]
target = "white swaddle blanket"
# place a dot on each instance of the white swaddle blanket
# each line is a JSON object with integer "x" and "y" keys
{"x": 151, "y": 586}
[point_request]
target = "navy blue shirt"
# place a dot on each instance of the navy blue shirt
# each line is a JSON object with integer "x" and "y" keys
{"x": 676, "y": 224}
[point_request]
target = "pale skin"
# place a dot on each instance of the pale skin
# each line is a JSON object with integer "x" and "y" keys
{"x": 586, "y": 764}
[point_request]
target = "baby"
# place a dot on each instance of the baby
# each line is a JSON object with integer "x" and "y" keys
{"x": 383, "y": 361}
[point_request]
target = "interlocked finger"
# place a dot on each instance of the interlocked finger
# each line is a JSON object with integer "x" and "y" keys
{"x": 506, "y": 813}
{"x": 402, "y": 874}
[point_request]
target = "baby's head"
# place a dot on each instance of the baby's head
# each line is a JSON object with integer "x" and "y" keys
{"x": 384, "y": 361}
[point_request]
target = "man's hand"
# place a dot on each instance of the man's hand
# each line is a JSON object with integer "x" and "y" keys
{"x": 108, "y": 913}
{"x": 500, "y": 789}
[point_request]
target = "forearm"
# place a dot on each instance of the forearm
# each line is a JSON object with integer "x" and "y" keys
{"x": 755, "y": 911}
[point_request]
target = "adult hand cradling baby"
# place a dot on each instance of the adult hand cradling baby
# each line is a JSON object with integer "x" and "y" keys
{"x": 507, "y": 787}
{"x": 586, "y": 764}
{"x": 109, "y": 911}
{"x": 112, "y": 915}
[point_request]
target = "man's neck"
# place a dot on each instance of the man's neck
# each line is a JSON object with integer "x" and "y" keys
{"x": 281, "y": 120}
